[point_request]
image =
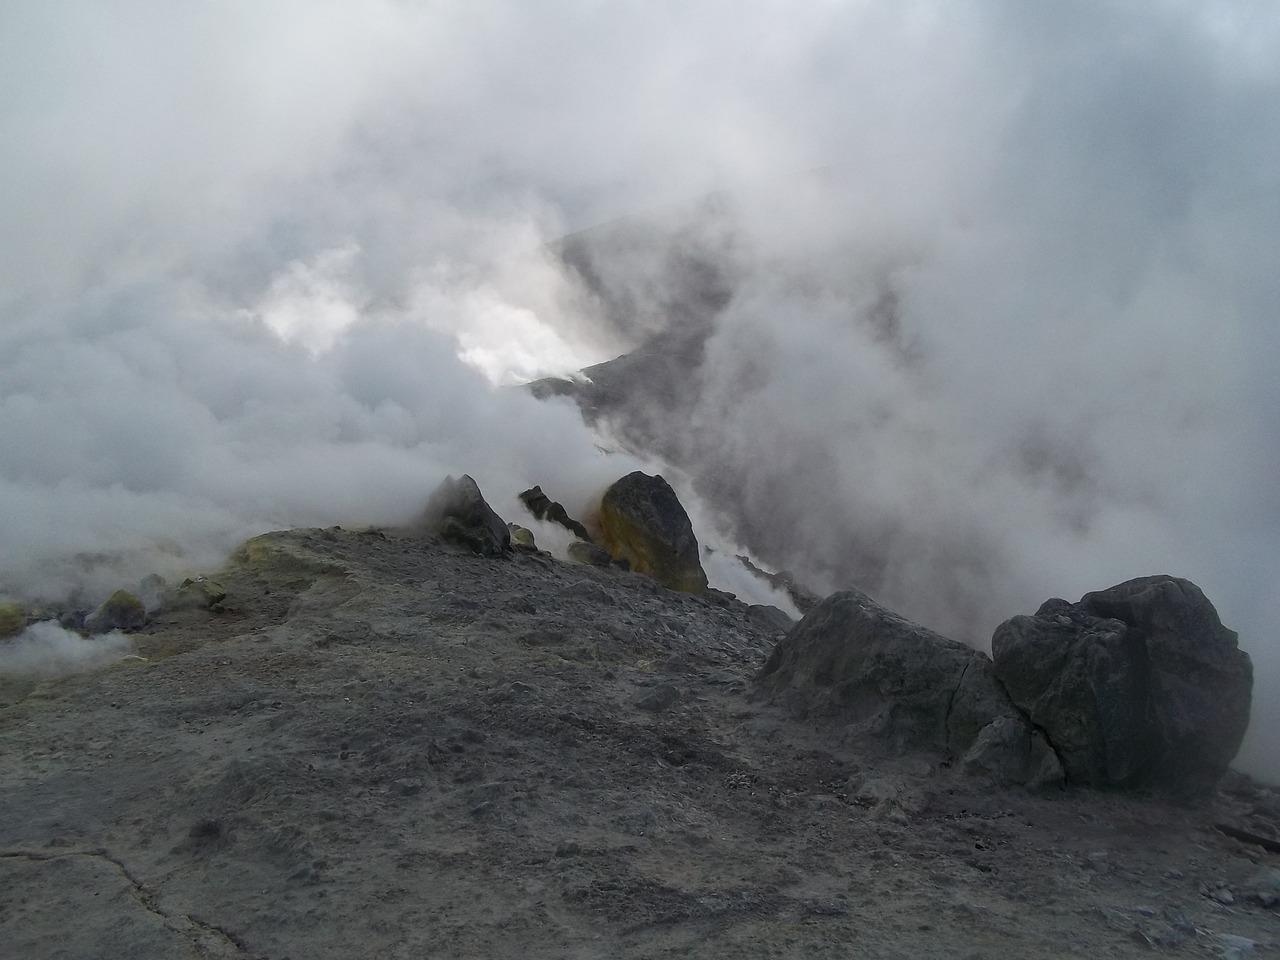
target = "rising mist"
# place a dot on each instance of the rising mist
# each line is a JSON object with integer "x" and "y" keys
{"x": 999, "y": 311}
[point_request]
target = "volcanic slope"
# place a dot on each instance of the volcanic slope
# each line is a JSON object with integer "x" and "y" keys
{"x": 383, "y": 746}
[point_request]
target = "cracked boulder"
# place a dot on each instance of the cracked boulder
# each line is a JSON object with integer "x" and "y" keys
{"x": 643, "y": 522}
{"x": 1137, "y": 686}
{"x": 853, "y": 659}
{"x": 458, "y": 513}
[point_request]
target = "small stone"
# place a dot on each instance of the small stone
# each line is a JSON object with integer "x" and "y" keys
{"x": 524, "y": 691}
{"x": 407, "y": 786}
{"x": 1232, "y": 947}
{"x": 1223, "y": 896}
{"x": 875, "y": 790}
{"x": 568, "y": 848}
{"x": 659, "y": 698}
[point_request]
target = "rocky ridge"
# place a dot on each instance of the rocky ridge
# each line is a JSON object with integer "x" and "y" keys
{"x": 382, "y": 744}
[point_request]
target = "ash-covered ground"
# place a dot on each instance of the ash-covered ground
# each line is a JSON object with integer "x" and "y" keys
{"x": 381, "y": 746}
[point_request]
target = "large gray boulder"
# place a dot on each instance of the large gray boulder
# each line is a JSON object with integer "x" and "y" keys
{"x": 643, "y": 522}
{"x": 457, "y": 512}
{"x": 852, "y": 658}
{"x": 1137, "y": 686}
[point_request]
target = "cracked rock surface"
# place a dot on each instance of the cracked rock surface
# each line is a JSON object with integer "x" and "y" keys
{"x": 379, "y": 745}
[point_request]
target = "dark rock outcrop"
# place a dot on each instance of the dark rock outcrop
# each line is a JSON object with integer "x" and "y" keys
{"x": 121, "y": 611}
{"x": 851, "y": 657}
{"x": 643, "y": 522}
{"x": 544, "y": 508}
{"x": 457, "y": 512}
{"x": 1137, "y": 686}
{"x": 804, "y": 598}
{"x": 769, "y": 617}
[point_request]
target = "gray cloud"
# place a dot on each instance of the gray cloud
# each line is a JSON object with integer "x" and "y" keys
{"x": 1016, "y": 339}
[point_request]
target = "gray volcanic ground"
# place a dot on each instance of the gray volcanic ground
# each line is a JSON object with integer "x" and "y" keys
{"x": 380, "y": 745}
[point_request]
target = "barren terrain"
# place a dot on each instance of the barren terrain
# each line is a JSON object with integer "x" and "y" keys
{"x": 380, "y": 746}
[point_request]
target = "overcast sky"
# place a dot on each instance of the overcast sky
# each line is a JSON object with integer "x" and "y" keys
{"x": 243, "y": 247}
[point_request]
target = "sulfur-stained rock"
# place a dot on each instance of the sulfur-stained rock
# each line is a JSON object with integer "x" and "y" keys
{"x": 199, "y": 593}
{"x": 13, "y": 618}
{"x": 643, "y": 522}
{"x": 590, "y": 554}
{"x": 522, "y": 537}
{"x": 121, "y": 611}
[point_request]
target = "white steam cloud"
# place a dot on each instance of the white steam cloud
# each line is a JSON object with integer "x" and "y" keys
{"x": 45, "y": 650}
{"x": 1002, "y": 312}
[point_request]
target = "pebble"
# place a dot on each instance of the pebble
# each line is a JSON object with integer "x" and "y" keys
{"x": 407, "y": 786}
{"x": 1233, "y": 947}
{"x": 524, "y": 691}
{"x": 876, "y": 790}
{"x": 659, "y": 698}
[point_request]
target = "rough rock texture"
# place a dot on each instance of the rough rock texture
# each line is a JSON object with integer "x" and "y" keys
{"x": 1138, "y": 686}
{"x": 457, "y": 512}
{"x": 121, "y": 611}
{"x": 13, "y": 618}
{"x": 544, "y": 508}
{"x": 589, "y": 553}
{"x": 770, "y": 617}
{"x": 1008, "y": 750}
{"x": 642, "y": 522}
{"x": 199, "y": 593}
{"x": 854, "y": 658}
{"x": 522, "y": 537}
{"x": 383, "y": 746}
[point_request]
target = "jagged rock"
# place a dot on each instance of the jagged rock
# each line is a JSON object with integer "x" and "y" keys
{"x": 659, "y": 698}
{"x": 784, "y": 580}
{"x": 852, "y": 658}
{"x": 769, "y": 617}
{"x": 198, "y": 594}
{"x": 121, "y": 611}
{"x": 544, "y": 508}
{"x": 457, "y": 512}
{"x": 642, "y": 522}
{"x": 522, "y": 537}
{"x": 1009, "y": 750}
{"x": 13, "y": 618}
{"x": 589, "y": 553}
{"x": 1136, "y": 686}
